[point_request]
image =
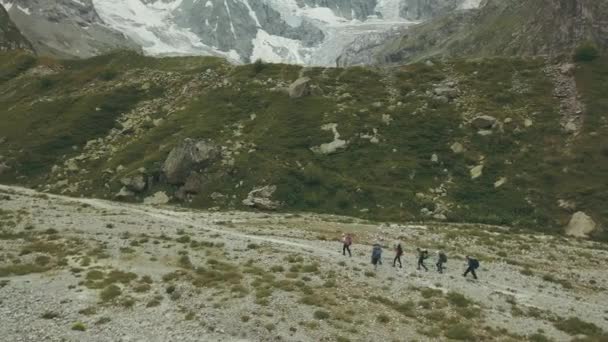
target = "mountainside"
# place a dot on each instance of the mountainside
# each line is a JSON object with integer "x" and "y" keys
{"x": 10, "y": 37}
{"x": 311, "y": 32}
{"x": 503, "y": 141}
{"x": 497, "y": 28}
{"x": 65, "y": 28}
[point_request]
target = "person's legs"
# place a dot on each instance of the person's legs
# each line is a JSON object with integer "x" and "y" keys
{"x": 395, "y": 260}
{"x": 344, "y": 247}
{"x": 467, "y": 271}
{"x": 473, "y": 273}
{"x": 423, "y": 265}
{"x": 348, "y": 249}
{"x": 399, "y": 259}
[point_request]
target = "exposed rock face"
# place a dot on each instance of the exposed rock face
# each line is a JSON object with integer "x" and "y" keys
{"x": 261, "y": 198}
{"x": 581, "y": 225}
{"x": 300, "y": 88}
{"x": 543, "y": 27}
{"x": 10, "y": 36}
{"x": 331, "y": 147}
{"x": 189, "y": 156}
{"x": 65, "y": 28}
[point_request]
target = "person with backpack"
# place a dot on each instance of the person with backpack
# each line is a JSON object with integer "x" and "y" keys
{"x": 441, "y": 259}
{"x": 347, "y": 241}
{"x": 422, "y": 255}
{"x": 376, "y": 255}
{"x": 473, "y": 264}
{"x": 398, "y": 254}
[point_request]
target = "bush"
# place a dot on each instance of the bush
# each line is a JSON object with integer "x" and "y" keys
{"x": 575, "y": 326}
{"x": 460, "y": 332}
{"x": 320, "y": 314}
{"x": 382, "y": 318}
{"x": 109, "y": 293}
{"x": 586, "y": 52}
{"x": 79, "y": 327}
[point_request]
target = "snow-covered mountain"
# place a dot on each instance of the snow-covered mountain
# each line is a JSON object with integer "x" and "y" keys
{"x": 312, "y": 32}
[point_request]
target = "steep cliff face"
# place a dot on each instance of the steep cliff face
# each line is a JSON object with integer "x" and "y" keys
{"x": 10, "y": 36}
{"x": 513, "y": 28}
{"x": 65, "y": 28}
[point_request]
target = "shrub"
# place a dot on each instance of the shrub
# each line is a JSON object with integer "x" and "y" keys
{"x": 110, "y": 293}
{"x": 460, "y": 332}
{"x": 320, "y": 314}
{"x": 49, "y": 315}
{"x": 79, "y": 326}
{"x": 458, "y": 300}
{"x": 382, "y": 318}
{"x": 586, "y": 52}
{"x": 575, "y": 326}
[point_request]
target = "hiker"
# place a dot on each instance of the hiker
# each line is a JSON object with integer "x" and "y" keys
{"x": 347, "y": 240}
{"x": 398, "y": 254}
{"x": 473, "y": 264}
{"x": 376, "y": 255}
{"x": 422, "y": 255}
{"x": 441, "y": 259}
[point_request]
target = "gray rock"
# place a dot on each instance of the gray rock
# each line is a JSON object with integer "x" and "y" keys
{"x": 483, "y": 122}
{"x": 158, "y": 198}
{"x": 476, "y": 172}
{"x": 581, "y": 225}
{"x": 261, "y": 198}
{"x": 300, "y": 88}
{"x": 193, "y": 184}
{"x": 457, "y": 148}
{"x": 189, "y": 156}
{"x": 124, "y": 193}
{"x": 136, "y": 183}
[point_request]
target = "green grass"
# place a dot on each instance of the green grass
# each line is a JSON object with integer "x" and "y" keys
{"x": 576, "y": 326}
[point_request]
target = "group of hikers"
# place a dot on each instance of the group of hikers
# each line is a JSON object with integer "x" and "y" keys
{"x": 423, "y": 254}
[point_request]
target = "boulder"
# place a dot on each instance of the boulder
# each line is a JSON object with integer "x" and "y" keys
{"x": 193, "y": 184}
{"x": 476, "y": 172}
{"x": 500, "y": 182}
{"x": 447, "y": 92}
{"x": 124, "y": 193}
{"x": 189, "y": 156}
{"x": 580, "y": 225}
{"x": 457, "y": 148}
{"x": 261, "y": 198}
{"x": 158, "y": 198}
{"x": 135, "y": 184}
{"x": 484, "y": 122}
{"x": 300, "y": 88}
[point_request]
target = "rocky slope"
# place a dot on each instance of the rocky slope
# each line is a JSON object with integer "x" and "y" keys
{"x": 130, "y": 272}
{"x": 497, "y": 28}
{"x": 65, "y": 28}
{"x": 504, "y": 141}
{"x": 10, "y": 36}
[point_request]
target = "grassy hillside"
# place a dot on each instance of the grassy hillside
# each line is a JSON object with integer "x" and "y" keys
{"x": 397, "y": 164}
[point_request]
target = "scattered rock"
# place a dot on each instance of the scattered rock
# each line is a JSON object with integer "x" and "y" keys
{"x": 72, "y": 166}
{"x": 485, "y": 132}
{"x": 500, "y": 182}
{"x": 457, "y": 148}
{"x": 476, "y": 172}
{"x": 435, "y": 158}
{"x": 158, "y": 198}
{"x": 440, "y": 217}
{"x": 484, "y": 122}
{"x": 567, "y": 205}
{"x": 386, "y": 119}
{"x": 261, "y": 198}
{"x": 528, "y": 123}
{"x": 189, "y": 156}
{"x": 333, "y": 146}
{"x": 580, "y": 225}
{"x": 300, "y": 88}
{"x": 571, "y": 127}
{"x": 567, "y": 69}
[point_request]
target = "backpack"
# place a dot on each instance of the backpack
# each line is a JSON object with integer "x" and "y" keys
{"x": 474, "y": 263}
{"x": 377, "y": 252}
{"x": 443, "y": 257}
{"x": 424, "y": 254}
{"x": 348, "y": 240}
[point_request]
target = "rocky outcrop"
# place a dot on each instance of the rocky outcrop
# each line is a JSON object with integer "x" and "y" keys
{"x": 10, "y": 36}
{"x": 65, "y": 28}
{"x": 581, "y": 225}
{"x": 300, "y": 88}
{"x": 484, "y": 122}
{"x": 189, "y": 156}
{"x": 260, "y": 198}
